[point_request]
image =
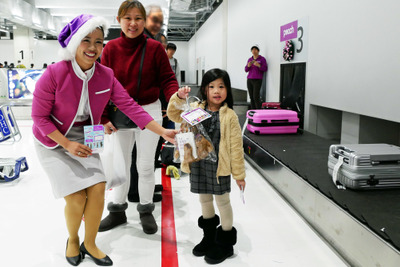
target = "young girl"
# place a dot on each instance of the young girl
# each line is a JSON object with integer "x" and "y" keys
{"x": 207, "y": 178}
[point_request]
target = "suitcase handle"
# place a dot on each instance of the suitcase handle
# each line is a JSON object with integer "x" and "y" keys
{"x": 279, "y": 121}
{"x": 344, "y": 151}
{"x": 341, "y": 153}
{"x": 251, "y": 113}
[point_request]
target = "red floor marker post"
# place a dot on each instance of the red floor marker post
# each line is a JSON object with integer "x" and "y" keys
{"x": 169, "y": 254}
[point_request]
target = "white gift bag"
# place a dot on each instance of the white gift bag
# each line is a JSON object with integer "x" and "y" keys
{"x": 107, "y": 160}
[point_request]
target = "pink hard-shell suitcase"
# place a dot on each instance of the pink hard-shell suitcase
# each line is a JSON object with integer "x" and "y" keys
{"x": 272, "y": 121}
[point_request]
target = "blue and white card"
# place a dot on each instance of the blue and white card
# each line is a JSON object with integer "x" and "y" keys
{"x": 94, "y": 137}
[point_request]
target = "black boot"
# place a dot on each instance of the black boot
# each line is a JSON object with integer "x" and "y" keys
{"x": 116, "y": 216}
{"x": 224, "y": 241}
{"x": 209, "y": 227}
{"x": 149, "y": 224}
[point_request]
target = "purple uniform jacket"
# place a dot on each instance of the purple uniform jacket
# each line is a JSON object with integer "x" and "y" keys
{"x": 58, "y": 92}
{"x": 254, "y": 71}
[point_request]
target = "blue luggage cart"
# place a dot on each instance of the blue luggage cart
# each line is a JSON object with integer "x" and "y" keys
{"x": 10, "y": 168}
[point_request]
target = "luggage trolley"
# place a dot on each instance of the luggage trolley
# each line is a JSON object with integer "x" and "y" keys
{"x": 9, "y": 131}
{"x": 10, "y": 168}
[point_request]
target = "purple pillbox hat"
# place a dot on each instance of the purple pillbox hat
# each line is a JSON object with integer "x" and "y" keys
{"x": 72, "y": 34}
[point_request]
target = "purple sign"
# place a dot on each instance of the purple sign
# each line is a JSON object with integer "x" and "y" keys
{"x": 289, "y": 31}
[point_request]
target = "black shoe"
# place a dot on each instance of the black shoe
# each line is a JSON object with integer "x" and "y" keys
{"x": 158, "y": 188}
{"x": 112, "y": 220}
{"x": 106, "y": 261}
{"x": 135, "y": 198}
{"x": 73, "y": 260}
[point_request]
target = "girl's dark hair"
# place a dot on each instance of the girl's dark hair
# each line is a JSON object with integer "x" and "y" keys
{"x": 212, "y": 75}
{"x": 128, "y": 4}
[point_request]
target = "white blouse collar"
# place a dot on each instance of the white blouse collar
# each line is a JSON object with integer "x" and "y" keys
{"x": 78, "y": 71}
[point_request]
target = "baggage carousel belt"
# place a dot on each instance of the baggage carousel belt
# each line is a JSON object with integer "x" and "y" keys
{"x": 307, "y": 155}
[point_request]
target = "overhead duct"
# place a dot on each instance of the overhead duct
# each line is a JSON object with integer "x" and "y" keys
{"x": 180, "y": 5}
{"x": 187, "y": 16}
{"x": 25, "y": 14}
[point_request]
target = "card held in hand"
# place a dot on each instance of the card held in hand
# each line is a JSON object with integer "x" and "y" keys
{"x": 94, "y": 137}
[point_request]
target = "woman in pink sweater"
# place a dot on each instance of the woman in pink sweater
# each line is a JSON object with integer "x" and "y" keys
{"x": 141, "y": 65}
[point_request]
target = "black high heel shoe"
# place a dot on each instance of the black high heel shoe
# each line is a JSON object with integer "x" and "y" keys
{"x": 73, "y": 260}
{"x": 106, "y": 261}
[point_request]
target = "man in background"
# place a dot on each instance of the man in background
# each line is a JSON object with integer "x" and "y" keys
{"x": 171, "y": 49}
{"x": 154, "y": 20}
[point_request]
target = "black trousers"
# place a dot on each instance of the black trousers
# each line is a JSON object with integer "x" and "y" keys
{"x": 254, "y": 87}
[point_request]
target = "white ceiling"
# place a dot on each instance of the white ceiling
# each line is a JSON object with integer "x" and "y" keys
{"x": 68, "y": 9}
{"x": 181, "y": 17}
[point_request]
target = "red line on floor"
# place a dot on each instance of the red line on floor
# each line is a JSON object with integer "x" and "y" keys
{"x": 169, "y": 255}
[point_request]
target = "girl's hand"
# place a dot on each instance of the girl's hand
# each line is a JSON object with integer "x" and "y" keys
{"x": 241, "y": 184}
{"x": 169, "y": 135}
{"x": 109, "y": 128}
{"x": 183, "y": 92}
{"x": 257, "y": 64}
{"x": 78, "y": 149}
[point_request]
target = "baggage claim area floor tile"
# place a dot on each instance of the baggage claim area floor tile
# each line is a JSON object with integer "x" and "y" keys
{"x": 270, "y": 232}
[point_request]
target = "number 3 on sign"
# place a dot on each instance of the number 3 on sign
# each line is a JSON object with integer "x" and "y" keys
{"x": 300, "y": 29}
{"x": 301, "y": 45}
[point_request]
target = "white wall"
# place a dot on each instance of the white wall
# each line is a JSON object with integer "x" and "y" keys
{"x": 206, "y": 46}
{"x": 354, "y": 65}
{"x": 181, "y": 55}
{"x": 353, "y": 60}
{"x": 7, "y": 51}
{"x": 45, "y": 51}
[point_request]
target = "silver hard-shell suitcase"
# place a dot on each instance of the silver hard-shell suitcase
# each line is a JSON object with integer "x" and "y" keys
{"x": 365, "y": 166}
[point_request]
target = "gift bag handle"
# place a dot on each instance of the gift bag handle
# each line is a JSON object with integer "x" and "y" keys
{"x": 187, "y": 101}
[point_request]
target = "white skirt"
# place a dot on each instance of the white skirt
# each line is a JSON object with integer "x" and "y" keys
{"x": 68, "y": 173}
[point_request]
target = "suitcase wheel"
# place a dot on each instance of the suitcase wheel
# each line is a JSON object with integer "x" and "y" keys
{"x": 372, "y": 181}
